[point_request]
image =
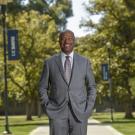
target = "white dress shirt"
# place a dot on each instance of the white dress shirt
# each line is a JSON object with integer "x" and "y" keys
{"x": 63, "y": 58}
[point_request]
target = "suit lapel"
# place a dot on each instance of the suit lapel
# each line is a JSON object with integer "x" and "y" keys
{"x": 74, "y": 68}
{"x": 60, "y": 66}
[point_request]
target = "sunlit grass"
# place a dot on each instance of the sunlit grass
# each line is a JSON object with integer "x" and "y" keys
{"x": 20, "y": 126}
{"x": 125, "y": 126}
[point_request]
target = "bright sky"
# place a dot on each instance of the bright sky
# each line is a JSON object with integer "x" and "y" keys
{"x": 79, "y": 13}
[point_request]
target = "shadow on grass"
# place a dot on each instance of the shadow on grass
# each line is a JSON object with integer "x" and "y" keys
{"x": 99, "y": 124}
{"x": 28, "y": 124}
{"x": 120, "y": 122}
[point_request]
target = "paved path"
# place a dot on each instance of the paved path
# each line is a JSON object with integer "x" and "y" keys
{"x": 94, "y": 128}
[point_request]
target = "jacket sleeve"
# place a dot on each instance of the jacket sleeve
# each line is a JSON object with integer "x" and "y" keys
{"x": 91, "y": 87}
{"x": 44, "y": 85}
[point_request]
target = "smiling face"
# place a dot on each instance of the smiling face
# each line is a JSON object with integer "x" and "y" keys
{"x": 67, "y": 41}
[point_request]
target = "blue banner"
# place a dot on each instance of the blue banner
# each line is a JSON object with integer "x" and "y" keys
{"x": 105, "y": 72}
{"x": 13, "y": 47}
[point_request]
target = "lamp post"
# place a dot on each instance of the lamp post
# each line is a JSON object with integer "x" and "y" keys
{"x": 110, "y": 78}
{"x": 3, "y": 4}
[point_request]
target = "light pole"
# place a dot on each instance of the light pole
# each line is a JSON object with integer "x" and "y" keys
{"x": 110, "y": 77}
{"x": 3, "y": 4}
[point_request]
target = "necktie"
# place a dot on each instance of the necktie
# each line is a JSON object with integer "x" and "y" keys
{"x": 67, "y": 67}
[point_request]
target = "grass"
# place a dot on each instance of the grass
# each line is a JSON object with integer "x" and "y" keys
{"x": 125, "y": 126}
{"x": 20, "y": 126}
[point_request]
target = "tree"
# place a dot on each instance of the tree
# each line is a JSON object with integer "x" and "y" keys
{"x": 37, "y": 41}
{"x": 38, "y": 22}
{"x": 59, "y": 10}
{"x": 117, "y": 27}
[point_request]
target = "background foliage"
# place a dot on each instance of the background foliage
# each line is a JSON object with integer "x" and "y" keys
{"x": 39, "y": 23}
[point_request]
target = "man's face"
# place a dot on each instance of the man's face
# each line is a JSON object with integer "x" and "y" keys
{"x": 67, "y": 42}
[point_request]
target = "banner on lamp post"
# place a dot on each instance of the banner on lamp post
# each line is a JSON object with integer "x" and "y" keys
{"x": 105, "y": 72}
{"x": 13, "y": 47}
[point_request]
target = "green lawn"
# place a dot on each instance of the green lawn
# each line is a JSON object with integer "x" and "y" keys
{"x": 19, "y": 125}
{"x": 125, "y": 126}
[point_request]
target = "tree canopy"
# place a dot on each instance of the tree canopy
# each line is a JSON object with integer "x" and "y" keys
{"x": 116, "y": 28}
{"x": 38, "y": 23}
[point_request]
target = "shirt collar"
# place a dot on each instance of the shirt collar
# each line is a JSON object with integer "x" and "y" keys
{"x": 64, "y": 55}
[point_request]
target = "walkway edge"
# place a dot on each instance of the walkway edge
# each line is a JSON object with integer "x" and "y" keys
{"x": 109, "y": 127}
{"x": 94, "y": 128}
{"x": 113, "y": 130}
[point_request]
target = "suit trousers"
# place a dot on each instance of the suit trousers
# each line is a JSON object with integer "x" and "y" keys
{"x": 69, "y": 125}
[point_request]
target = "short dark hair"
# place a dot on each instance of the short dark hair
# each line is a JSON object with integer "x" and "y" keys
{"x": 65, "y": 31}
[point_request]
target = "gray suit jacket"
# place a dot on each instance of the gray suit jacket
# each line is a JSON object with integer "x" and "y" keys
{"x": 56, "y": 93}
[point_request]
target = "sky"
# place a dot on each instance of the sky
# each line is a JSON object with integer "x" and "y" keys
{"x": 79, "y": 13}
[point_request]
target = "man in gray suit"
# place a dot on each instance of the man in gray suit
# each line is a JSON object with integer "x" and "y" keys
{"x": 67, "y": 89}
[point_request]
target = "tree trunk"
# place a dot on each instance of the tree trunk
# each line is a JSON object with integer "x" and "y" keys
{"x": 128, "y": 110}
{"x": 128, "y": 102}
{"x": 29, "y": 110}
{"x": 39, "y": 109}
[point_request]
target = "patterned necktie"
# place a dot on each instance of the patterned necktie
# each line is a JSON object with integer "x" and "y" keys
{"x": 67, "y": 67}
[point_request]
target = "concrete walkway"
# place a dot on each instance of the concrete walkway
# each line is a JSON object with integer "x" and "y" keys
{"x": 94, "y": 128}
